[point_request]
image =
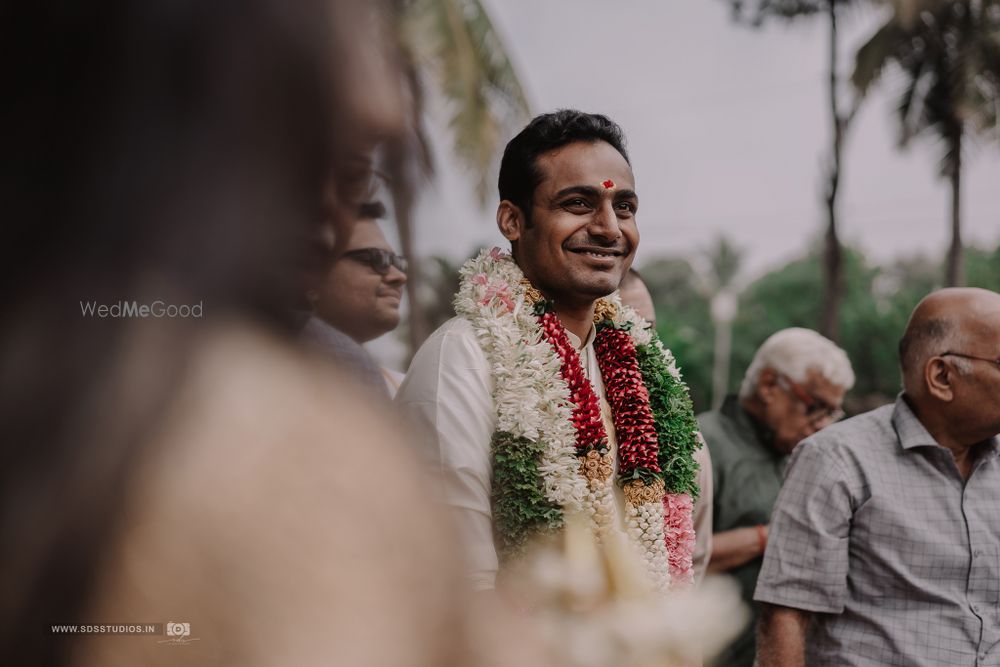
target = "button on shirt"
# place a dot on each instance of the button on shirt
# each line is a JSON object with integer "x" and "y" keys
{"x": 877, "y": 532}
{"x": 448, "y": 391}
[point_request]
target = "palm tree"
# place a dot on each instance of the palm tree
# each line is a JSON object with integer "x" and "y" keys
{"x": 840, "y": 119}
{"x": 949, "y": 54}
{"x": 452, "y": 47}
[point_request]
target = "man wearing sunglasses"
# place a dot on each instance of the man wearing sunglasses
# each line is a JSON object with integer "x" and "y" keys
{"x": 359, "y": 293}
{"x": 794, "y": 387}
{"x": 885, "y": 539}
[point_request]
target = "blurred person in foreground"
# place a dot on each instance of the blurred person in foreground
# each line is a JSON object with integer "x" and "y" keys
{"x": 358, "y": 295}
{"x": 534, "y": 392}
{"x": 794, "y": 386}
{"x": 885, "y": 540}
{"x": 197, "y": 469}
{"x": 634, "y": 292}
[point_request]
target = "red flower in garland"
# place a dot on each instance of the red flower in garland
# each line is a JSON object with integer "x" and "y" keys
{"x": 586, "y": 409}
{"x": 638, "y": 444}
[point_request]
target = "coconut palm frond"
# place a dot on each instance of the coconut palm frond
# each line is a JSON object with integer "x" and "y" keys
{"x": 874, "y": 56}
{"x": 457, "y": 45}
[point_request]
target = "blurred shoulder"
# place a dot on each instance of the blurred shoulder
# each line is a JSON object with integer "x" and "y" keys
{"x": 276, "y": 477}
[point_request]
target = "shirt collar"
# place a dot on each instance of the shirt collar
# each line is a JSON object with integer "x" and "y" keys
{"x": 763, "y": 434}
{"x": 575, "y": 341}
{"x": 911, "y": 431}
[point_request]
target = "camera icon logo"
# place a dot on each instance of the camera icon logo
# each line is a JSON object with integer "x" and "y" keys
{"x": 178, "y": 630}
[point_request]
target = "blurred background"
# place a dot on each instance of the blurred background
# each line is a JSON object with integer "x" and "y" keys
{"x": 817, "y": 163}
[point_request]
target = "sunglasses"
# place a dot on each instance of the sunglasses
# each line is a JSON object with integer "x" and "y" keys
{"x": 817, "y": 410}
{"x": 378, "y": 259}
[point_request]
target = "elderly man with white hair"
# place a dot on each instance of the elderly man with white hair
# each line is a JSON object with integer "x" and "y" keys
{"x": 794, "y": 387}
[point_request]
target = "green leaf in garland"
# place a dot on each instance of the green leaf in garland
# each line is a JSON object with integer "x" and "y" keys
{"x": 673, "y": 415}
{"x": 541, "y": 307}
{"x": 520, "y": 508}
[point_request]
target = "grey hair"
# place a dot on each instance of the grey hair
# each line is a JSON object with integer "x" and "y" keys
{"x": 793, "y": 353}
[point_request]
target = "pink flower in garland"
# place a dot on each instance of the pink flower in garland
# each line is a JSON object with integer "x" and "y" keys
{"x": 586, "y": 409}
{"x": 638, "y": 445}
{"x": 678, "y": 529}
{"x": 499, "y": 293}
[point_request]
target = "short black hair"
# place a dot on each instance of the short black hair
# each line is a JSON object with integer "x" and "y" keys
{"x": 519, "y": 172}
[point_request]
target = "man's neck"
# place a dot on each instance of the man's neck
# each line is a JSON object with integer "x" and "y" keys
{"x": 941, "y": 428}
{"x": 576, "y": 316}
{"x": 754, "y": 408}
{"x": 577, "y": 320}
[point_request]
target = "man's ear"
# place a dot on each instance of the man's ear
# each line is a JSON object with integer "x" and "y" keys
{"x": 510, "y": 220}
{"x": 938, "y": 378}
{"x": 767, "y": 385}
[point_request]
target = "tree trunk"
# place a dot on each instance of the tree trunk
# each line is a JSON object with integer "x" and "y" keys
{"x": 723, "y": 308}
{"x": 833, "y": 279}
{"x": 955, "y": 269}
{"x": 402, "y": 179}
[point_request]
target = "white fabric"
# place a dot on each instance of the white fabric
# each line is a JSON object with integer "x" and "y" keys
{"x": 392, "y": 380}
{"x": 449, "y": 392}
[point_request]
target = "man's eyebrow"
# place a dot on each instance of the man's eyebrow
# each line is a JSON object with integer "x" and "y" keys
{"x": 587, "y": 190}
{"x": 626, "y": 194}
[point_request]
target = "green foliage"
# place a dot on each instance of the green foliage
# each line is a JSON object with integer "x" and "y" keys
{"x": 982, "y": 268}
{"x": 441, "y": 281}
{"x": 674, "y": 420}
{"x": 877, "y": 303}
{"x": 873, "y": 313}
{"x": 520, "y": 508}
{"x": 683, "y": 322}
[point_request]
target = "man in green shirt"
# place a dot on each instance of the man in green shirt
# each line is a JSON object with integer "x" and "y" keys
{"x": 794, "y": 387}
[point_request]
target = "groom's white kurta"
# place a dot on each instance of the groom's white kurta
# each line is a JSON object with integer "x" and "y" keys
{"x": 449, "y": 391}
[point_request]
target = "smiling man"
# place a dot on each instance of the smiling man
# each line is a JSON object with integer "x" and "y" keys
{"x": 358, "y": 295}
{"x": 522, "y": 392}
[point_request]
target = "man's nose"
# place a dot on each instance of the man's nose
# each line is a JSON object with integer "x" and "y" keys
{"x": 395, "y": 276}
{"x": 604, "y": 223}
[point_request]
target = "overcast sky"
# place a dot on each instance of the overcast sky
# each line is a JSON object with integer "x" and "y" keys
{"x": 727, "y": 129}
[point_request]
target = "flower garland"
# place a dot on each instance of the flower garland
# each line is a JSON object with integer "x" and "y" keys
{"x": 550, "y": 451}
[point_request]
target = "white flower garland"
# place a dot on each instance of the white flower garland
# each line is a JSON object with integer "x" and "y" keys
{"x": 532, "y": 401}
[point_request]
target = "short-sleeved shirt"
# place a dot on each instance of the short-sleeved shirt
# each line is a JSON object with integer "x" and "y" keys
{"x": 877, "y": 532}
{"x": 747, "y": 472}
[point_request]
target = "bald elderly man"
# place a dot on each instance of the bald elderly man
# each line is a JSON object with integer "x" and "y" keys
{"x": 885, "y": 539}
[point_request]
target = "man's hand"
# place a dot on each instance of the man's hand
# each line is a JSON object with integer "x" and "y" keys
{"x": 732, "y": 548}
{"x": 781, "y": 636}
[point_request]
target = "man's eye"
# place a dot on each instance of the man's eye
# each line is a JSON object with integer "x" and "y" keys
{"x": 576, "y": 202}
{"x": 625, "y": 206}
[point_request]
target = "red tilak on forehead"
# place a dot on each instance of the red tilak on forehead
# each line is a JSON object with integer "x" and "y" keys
{"x": 608, "y": 184}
